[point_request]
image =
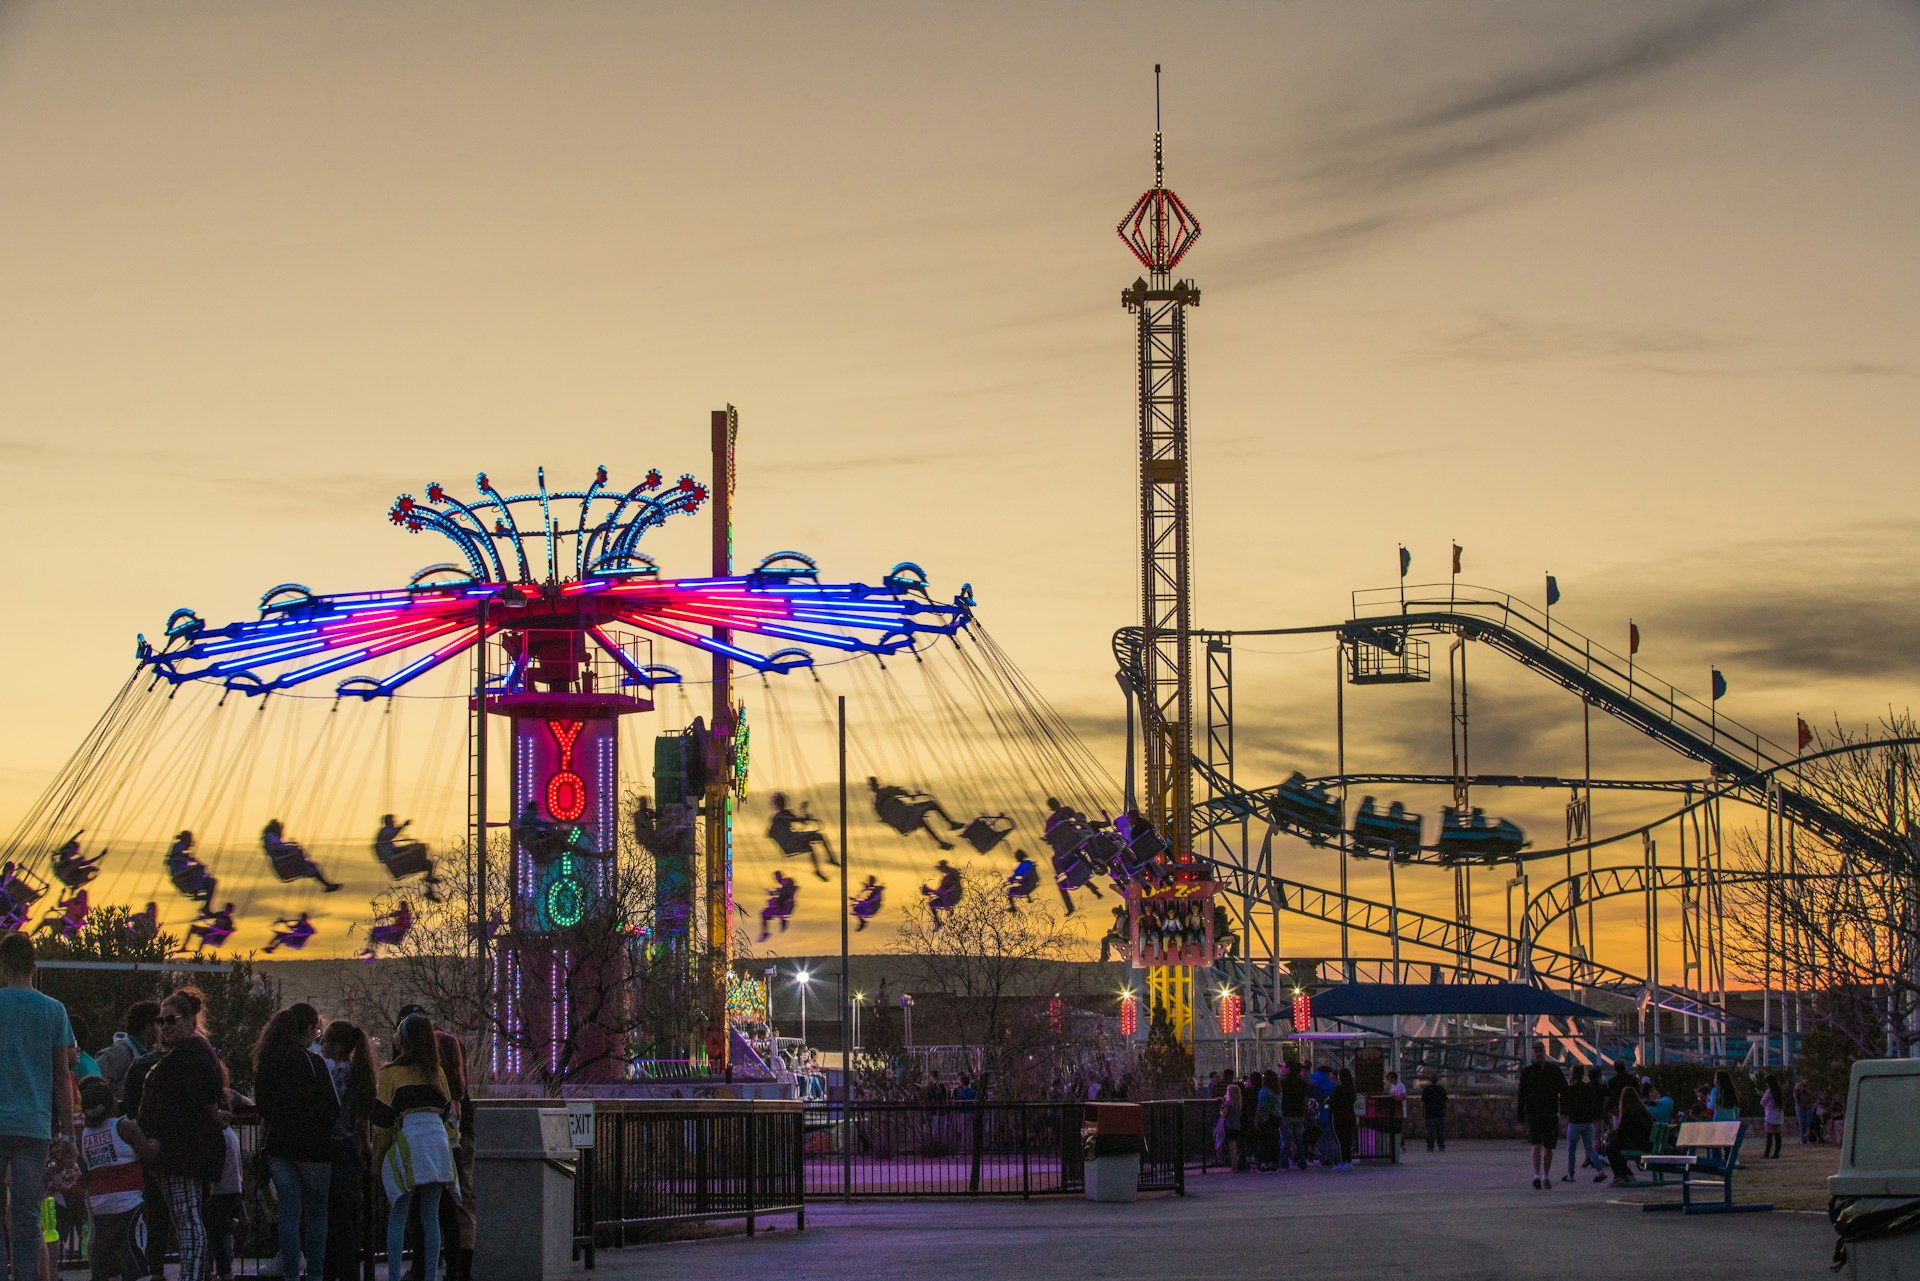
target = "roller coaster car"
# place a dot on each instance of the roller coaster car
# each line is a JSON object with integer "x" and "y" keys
{"x": 1395, "y": 831}
{"x": 1475, "y": 838}
{"x": 986, "y": 832}
{"x": 1308, "y": 810}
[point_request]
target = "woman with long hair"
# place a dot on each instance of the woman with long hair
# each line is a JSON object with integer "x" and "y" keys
{"x": 182, "y": 1108}
{"x": 1722, "y": 1098}
{"x": 1632, "y": 1132}
{"x": 1773, "y": 1115}
{"x": 411, "y": 1147}
{"x": 348, "y": 1054}
{"x": 294, "y": 1092}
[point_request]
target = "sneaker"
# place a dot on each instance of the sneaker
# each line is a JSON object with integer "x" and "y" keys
{"x": 1566, "y": 1178}
{"x": 1601, "y": 1177}
{"x": 1618, "y": 1183}
{"x": 1536, "y": 1185}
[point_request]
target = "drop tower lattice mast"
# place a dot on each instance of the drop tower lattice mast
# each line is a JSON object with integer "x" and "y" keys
{"x": 1159, "y": 229}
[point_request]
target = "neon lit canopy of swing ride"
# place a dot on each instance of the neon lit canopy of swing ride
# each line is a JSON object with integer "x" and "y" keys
{"x": 555, "y": 561}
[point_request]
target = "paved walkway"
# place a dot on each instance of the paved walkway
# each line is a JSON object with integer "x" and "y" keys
{"x": 1466, "y": 1213}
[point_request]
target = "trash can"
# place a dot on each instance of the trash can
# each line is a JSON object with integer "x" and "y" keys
{"x": 1875, "y": 1199}
{"x": 1113, "y": 1136}
{"x": 523, "y": 1189}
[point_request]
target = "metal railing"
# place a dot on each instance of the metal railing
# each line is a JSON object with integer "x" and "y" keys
{"x": 986, "y": 1149}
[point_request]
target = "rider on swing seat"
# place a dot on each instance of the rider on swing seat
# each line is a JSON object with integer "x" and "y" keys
{"x": 906, "y": 812}
{"x": 799, "y": 834}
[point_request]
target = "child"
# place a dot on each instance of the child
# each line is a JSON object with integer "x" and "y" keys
{"x": 223, "y": 1207}
{"x": 111, "y": 1150}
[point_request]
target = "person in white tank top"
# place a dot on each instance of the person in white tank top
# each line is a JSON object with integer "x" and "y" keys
{"x": 112, "y": 1149}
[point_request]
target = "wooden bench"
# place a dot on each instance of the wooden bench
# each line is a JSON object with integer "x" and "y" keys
{"x": 1708, "y": 1150}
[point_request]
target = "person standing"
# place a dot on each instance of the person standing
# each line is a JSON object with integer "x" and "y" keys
{"x": 1266, "y": 1120}
{"x": 1229, "y": 1126}
{"x": 1343, "y": 1103}
{"x": 1541, "y": 1086}
{"x": 294, "y": 1092}
{"x": 36, "y": 1097}
{"x": 111, "y": 1150}
{"x": 1397, "y": 1091}
{"x": 1582, "y": 1105}
{"x": 410, "y": 1144}
{"x": 1295, "y": 1097}
{"x": 1659, "y": 1106}
{"x": 142, "y": 1029}
{"x": 350, "y": 1065}
{"x": 1803, "y": 1111}
{"x": 182, "y": 1108}
{"x": 1433, "y": 1112}
{"x": 153, "y": 1201}
{"x": 458, "y": 1204}
{"x": 1773, "y": 1116}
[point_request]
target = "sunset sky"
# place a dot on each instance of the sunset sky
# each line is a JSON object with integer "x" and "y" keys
{"x": 1626, "y": 293}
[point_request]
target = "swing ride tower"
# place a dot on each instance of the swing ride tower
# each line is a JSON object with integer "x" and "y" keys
{"x": 564, "y": 613}
{"x": 1159, "y": 229}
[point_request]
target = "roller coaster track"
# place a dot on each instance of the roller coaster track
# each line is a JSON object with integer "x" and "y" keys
{"x": 1494, "y": 950}
{"x": 1742, "y": 758}
{"x": 1563, "y": 896}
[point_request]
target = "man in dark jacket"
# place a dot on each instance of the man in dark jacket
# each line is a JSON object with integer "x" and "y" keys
{"x": 1295, "y": 1095}
{"x": 1541, "y": 1086}
{"x": 1433, "y": 1108}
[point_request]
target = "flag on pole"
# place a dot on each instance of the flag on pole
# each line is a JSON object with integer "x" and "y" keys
{"x": 1719, "y": 685}
{"x": 1406, "y": 559}
{"x": 1633, "y": 638}
{"x": 1806, "y": 735}
{"x": 1553, "y": 591}
{"x": 1456, "y": 558}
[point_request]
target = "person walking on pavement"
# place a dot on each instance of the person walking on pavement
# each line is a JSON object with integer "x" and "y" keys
{"x": 1582, "y": 1104}
{"x": 36, "y": 1088}
{"x": 1541, "y": 1086}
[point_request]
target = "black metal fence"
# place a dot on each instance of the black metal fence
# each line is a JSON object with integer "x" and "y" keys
{"x": 985, "y": 1149}
{"x": 666, "y": 1161}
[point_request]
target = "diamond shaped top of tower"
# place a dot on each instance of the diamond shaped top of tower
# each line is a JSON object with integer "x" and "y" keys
{"x": 1159, "y": 229}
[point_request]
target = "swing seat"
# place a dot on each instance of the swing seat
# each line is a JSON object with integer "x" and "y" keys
{"x": 295, "y": 941}
{"x": 1102, "y": 850}
{"x": 23, "y": 888}
{"x": 866, "y": 909}
{"x": 941, "y": 900}
{"x": 387, "y": 935}
{"x": 216, "y": 935}
{"x": 902, "y": 816}
{"x": 986, "y": 832}
{"x": 289, "y": 861}
{"x": 76, "y": 874}
{"x": 1147, "y": 848}
{"x": 794, "y": 839}
{"x": 191, "y": 879}
{"x": 1065, "y": 838}
{"x": 404, "y": 858}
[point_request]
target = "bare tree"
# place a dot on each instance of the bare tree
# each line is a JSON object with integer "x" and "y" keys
{"x": 1847, "y": 934}
{"x": 993, "y": 964}
{"x": 632, "y": 995}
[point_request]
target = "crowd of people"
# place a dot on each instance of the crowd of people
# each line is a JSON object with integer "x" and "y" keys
{"x": 142, "y": 1134}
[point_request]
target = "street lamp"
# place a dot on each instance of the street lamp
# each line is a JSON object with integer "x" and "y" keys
{"x": 773, "y": 1040}
{"x": 906, "y": 1012}
{"x": 803, "y": 978}
{"x": 859, "y": 999}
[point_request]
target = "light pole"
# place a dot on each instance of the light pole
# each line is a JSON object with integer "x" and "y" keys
{"x": 803, "y": 978}
{"x": 859, "y": 1000}
{"x": 906, "y": 1013}
{"x": 773, "y": 1038}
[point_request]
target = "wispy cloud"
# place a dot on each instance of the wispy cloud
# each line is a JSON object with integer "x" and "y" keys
{"x": 1502, "y": 340}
